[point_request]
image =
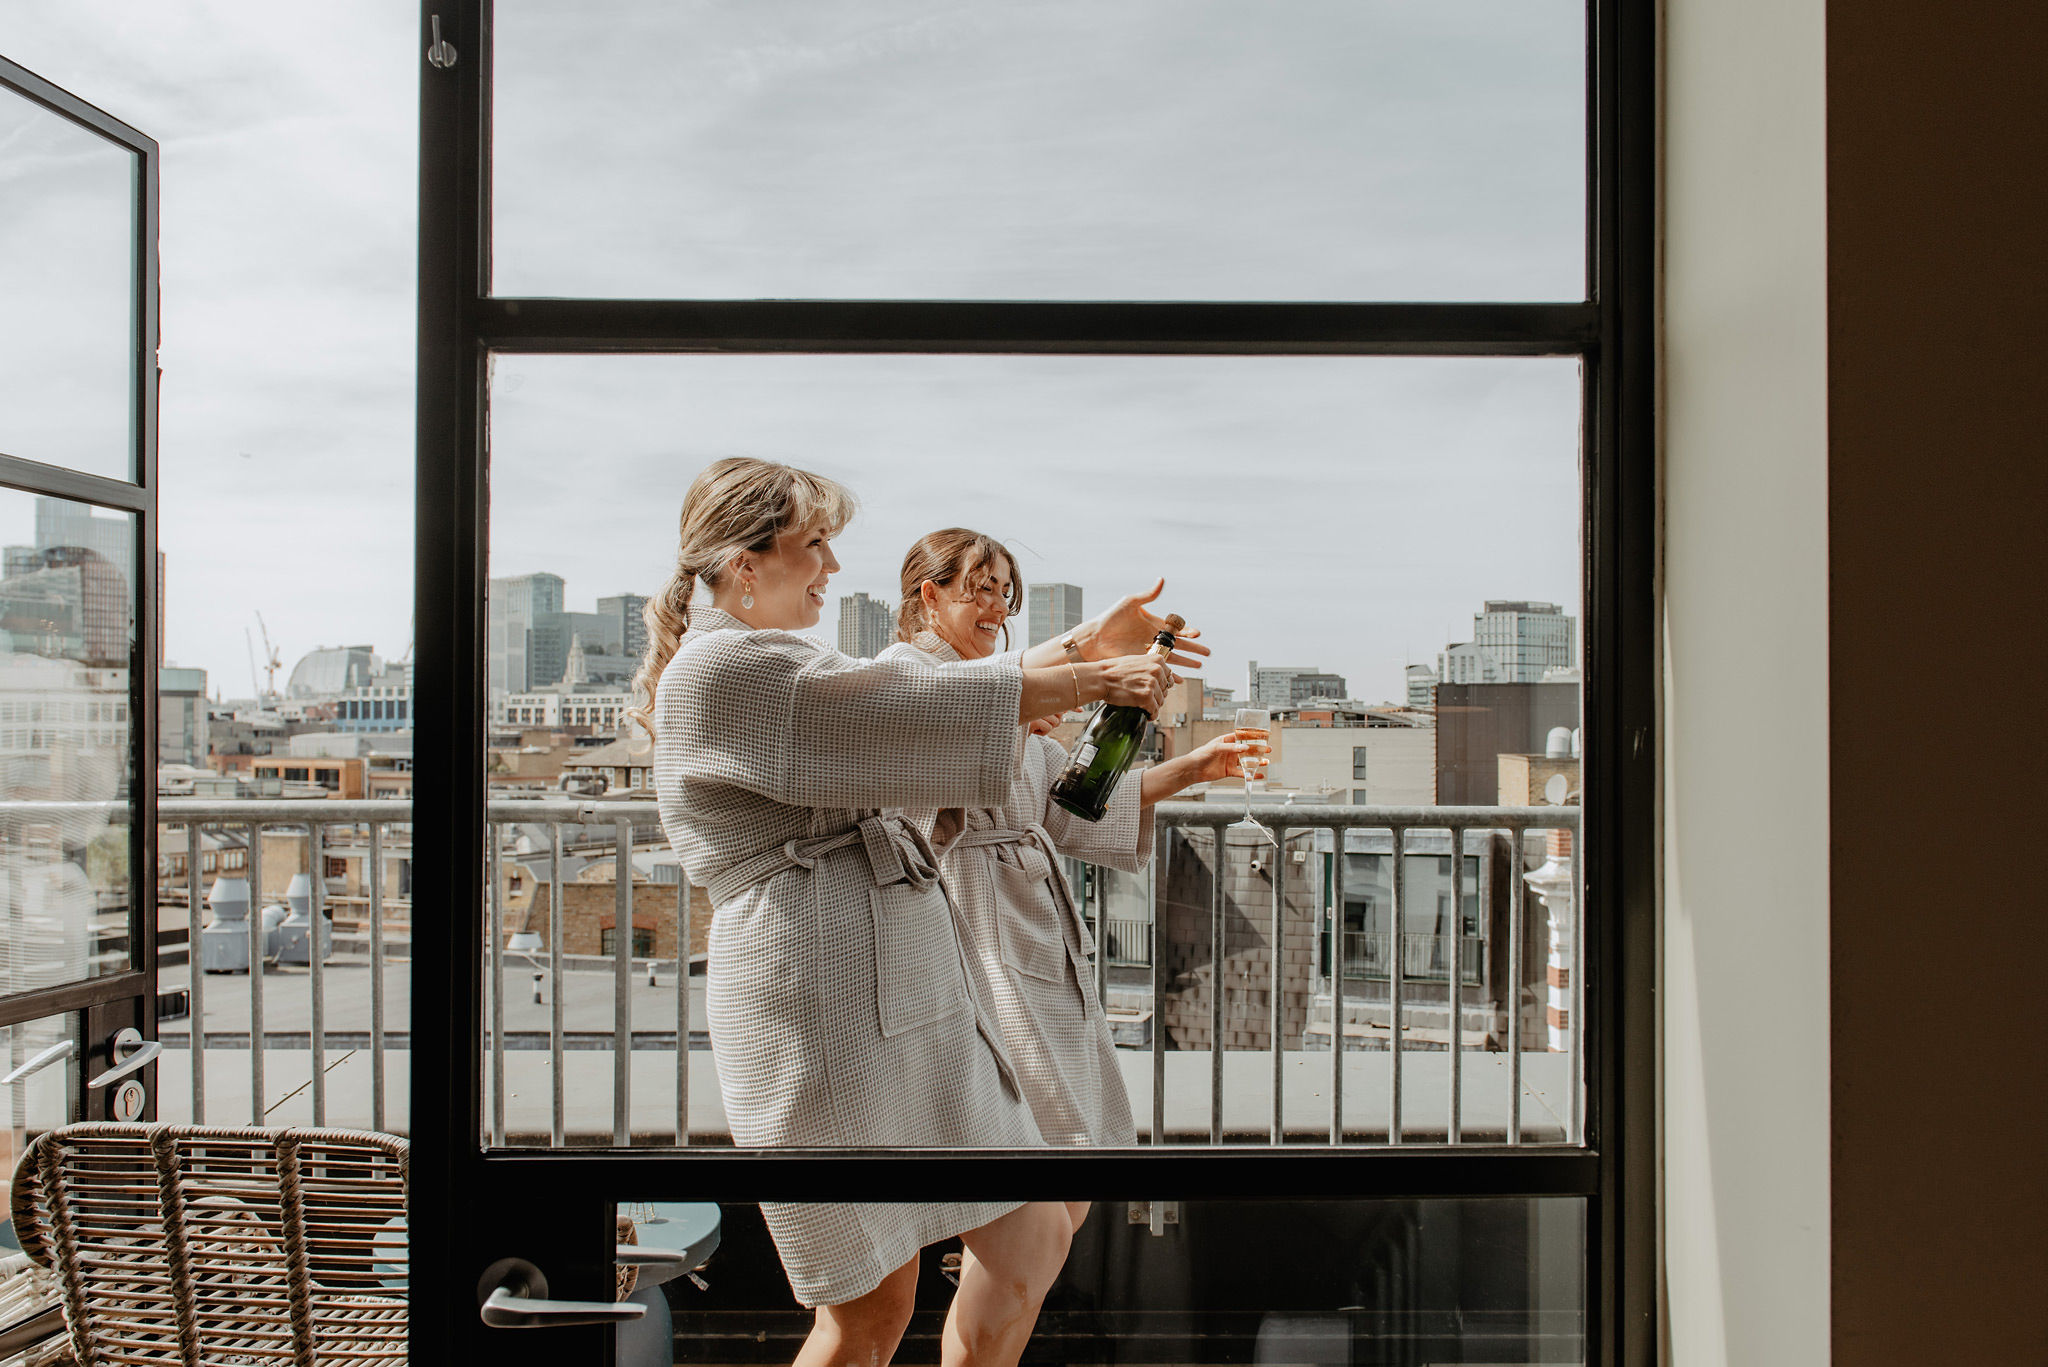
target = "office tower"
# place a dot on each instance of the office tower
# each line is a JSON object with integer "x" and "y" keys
{"x": 1525, "y": 639}
{"x": 866, "y": 626}
{"x": 629, "y": 609}
{"x": 1421, "y": 686}
{"x": 1468, "y": 663}
{"x": 1285, "y": 686}
{"x": 550, "y": 634}
{"x": 514, "y": 603}
{"x": 1055, "y": 610}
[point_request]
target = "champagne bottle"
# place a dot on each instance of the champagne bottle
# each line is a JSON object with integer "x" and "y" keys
{"x": 1107, "y": 747}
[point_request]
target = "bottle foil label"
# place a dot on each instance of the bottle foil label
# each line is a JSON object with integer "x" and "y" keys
{"x": 1084, "y": 754}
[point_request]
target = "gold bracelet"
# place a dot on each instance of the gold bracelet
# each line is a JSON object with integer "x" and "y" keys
{"x": 1074, "y": 677}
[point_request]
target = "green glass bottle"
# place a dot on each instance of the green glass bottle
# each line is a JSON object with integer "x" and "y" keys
{"x": 1107, "y": 747}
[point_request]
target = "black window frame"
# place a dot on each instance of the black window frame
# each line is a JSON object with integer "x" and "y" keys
{"x": 1612, "y": 330}
{"x": 128, "y": 996}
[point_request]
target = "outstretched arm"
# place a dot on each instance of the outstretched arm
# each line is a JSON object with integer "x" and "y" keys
{"x": 1128, "y": 628}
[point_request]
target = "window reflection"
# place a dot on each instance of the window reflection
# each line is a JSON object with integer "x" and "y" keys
{"x": 67, "y": 262}
{"x": 1342, "y": 1283}
{"x": 67, "y": 628}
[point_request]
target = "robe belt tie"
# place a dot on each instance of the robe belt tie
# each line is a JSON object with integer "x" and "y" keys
{"x": 897, "y": 852}
{"x": 1072, "y": 926}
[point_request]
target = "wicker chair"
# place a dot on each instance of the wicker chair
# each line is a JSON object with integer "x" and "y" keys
{"x": 221, "y": 1246}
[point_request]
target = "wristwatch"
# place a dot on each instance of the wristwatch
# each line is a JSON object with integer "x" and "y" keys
{"x": 1072, "y": 647}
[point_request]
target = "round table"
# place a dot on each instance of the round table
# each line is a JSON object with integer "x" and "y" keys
{"x": 688, "y": 1227}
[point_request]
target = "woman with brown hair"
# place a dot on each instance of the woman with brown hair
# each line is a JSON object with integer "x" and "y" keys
{"x": 841, "y": 1005}
{"x": 1000, "y": 859}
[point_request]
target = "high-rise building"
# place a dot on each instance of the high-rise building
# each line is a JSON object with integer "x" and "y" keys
{"x": 181, "y": 716}
{"x": 549, "y": 637}
{"x": 514, "y": 603}
{"x": 1310, "y": 684}
{"x": 1468, "y": 662}
{"x": 629, "y": 608}
{"x": 866, "y": 626}
{"x": 111, "y": 536}
{"x": 1286, "y": 685}
{"x": 1421, "y": 686}
{"x": 1525, "y": 639}
{"x": 1055, "y": 610}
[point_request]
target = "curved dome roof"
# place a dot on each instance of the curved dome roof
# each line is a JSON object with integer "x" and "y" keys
{"x": 330, "y": 670}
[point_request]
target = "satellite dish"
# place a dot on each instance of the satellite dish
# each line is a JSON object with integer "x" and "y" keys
{"x": 1554, "y": 791}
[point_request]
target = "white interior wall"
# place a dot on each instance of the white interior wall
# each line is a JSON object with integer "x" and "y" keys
{"x": 1745, "y": 999}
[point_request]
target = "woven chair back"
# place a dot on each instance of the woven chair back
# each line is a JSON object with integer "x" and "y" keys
{"x": 201, "y": 1246}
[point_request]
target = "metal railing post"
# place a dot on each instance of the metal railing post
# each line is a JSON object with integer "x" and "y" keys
{"x": 622, "y": 985}
{"x": 316, "y": 858}
{"x": 257, "y": 1046}
{"x": 1162, "y": 850}
{"x": 1397, "y": 954}
{"x": 556, "y": 1135}
{"x": 377, "y": 975}
{"x": 1276, "y": 1014}
{"x": 682, "y": 1008}
{"x": 1337, "y": 984}
{"x": 196, "y": 971}
{"x": 494, "y": 930}
{"x": 1453, "y": 1122}
{"x": 1216, "y": 986}
{"x": 1517, "y": 892}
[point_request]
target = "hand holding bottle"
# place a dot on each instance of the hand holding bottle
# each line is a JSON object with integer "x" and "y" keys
{"x": 1138, "y": 681}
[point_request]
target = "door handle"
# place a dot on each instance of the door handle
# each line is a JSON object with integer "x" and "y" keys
{"x": 61, "y": 1049}
{"x": 142, "y": 1053}
{"x": 512, "y": 1294}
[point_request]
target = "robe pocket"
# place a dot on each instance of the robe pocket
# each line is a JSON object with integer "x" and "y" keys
{"x": 918, "y": 975}
{"x": 1034, "y": 942}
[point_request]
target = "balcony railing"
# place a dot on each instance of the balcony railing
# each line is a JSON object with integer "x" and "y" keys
{"x": 1413, "y": 1067}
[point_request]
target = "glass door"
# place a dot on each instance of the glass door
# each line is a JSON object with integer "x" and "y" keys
{"x": 1338, "y": 316}
{"x": 78, "y": 629}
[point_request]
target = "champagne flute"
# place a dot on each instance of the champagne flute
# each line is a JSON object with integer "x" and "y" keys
{"x": 1254, "y": 729}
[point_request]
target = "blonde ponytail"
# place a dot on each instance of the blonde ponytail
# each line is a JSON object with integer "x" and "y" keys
{"x": 736, "y": 504}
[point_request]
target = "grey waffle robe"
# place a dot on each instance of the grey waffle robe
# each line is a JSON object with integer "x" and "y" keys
{"x": 1034, "y": 949}
{"x": 839, "y": 999}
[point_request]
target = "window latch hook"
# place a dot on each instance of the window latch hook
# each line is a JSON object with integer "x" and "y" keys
{"x": 442, "y": 54}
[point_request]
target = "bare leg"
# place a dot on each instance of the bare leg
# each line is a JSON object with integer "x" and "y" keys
{"x": 1009, "y": 1265}
{"x": 1077, "y": 1213}
{"x": 863, "y": 1332}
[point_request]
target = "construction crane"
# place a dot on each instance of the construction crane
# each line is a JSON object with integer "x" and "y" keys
{"x": 254, "y": 687}
{"x": 271, "y": 662}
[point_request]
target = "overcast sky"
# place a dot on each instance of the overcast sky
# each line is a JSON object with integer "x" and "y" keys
{"x": 1350, "y": 514}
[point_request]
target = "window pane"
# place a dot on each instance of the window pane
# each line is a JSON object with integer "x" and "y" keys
{"x": 1329, "y": 1283}
{"x": 67, "y": 633}
{"x": 1323, "y": 519}
{"x": 39, "y": 1102}
{"x": 1150, "y": 149}
{"x": 67, "y": 292}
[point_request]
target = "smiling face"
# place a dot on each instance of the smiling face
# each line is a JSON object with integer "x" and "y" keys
{"x": 788, "y": 580}
{"x": 968, "y": 614}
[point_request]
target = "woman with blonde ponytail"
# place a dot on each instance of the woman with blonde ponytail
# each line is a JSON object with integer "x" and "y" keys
{"x": 842, "y": 1005}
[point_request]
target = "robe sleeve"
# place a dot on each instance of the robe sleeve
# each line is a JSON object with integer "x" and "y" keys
{"x": 1121, "y": 840}
{"x": 801, "y": 724}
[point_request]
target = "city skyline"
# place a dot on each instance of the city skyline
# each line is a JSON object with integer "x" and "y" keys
{"x": 289, "y": 153}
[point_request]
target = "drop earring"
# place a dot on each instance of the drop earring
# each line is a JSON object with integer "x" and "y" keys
{"x": 747, "y": 597}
